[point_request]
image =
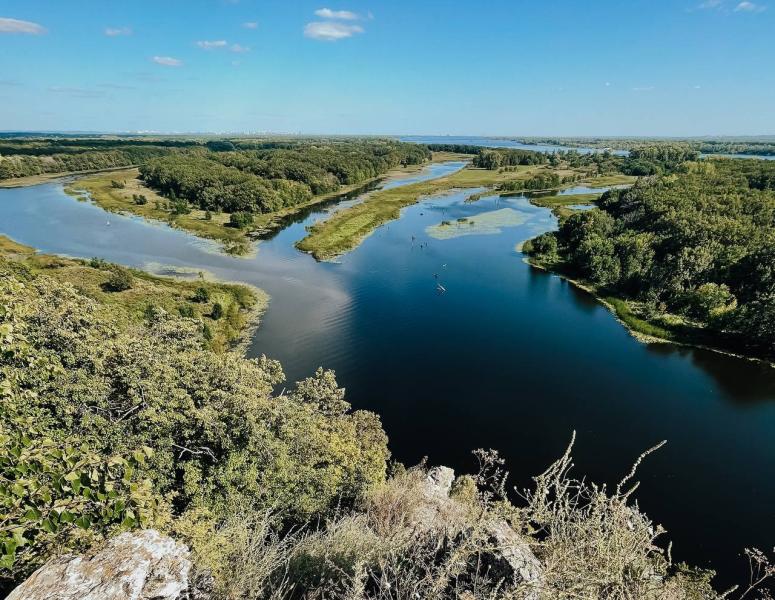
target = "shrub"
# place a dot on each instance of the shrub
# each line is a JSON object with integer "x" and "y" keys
{"x": 217, "y": 311}
{"x": 240, "y": 220}
{"x": 120, "y": 279}
{"x": 187, "y": 311}
{"x": 98, "y": 263}
{"x": 180, "y": 207}
{"x": 201, "y": 295}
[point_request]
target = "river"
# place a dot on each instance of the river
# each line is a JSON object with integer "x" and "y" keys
{"x": 507, "y": 357}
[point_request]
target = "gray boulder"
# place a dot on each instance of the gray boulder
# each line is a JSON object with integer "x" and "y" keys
{"x": 143, "y": 565}
{"x": 509, "y": 558}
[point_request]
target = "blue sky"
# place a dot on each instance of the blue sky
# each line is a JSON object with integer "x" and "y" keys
{"x": 506, "y": 67}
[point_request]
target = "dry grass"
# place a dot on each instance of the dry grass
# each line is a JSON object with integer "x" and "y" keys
{"x": 11, "y": 247}
{"x": 593, "y": 544}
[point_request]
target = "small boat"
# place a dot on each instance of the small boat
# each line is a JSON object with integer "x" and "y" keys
{"x": 441, "y": 288}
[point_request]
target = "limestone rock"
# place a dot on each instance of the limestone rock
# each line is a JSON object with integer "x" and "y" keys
{"x": 142, "y": 565}
{"x": 511, "y": 559}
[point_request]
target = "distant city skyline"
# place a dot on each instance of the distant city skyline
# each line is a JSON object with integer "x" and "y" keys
{"x": 661, "y": 68}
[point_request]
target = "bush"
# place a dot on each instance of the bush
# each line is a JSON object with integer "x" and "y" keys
{"x": 139, "y": 199}
{"x": 187, "y": 311}
{"x": 240, "y": 220}
{"x": 201, "y": 295}
{"x": 120, "y": 279}
{"x": 217, "y": 311}
{"x": 180, "y": 207}
{"x": 98, "y": 263}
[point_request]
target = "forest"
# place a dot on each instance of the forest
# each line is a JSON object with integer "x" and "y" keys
{"x": 321, "y": 165}
{"x": 260, "y": 181}
{"x": 691, "y": 250}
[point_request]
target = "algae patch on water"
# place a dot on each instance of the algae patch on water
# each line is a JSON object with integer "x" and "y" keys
{"x": 488, "y": 223}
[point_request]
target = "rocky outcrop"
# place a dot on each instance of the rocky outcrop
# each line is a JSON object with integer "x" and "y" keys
{"x": 143, "y": 565}
{"x": 506, "y": 556}
{"x": 509, "y": 558}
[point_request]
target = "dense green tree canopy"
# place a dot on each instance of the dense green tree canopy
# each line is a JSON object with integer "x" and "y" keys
{"x": 216, "y": 435}
{"x": 698, "y": 243}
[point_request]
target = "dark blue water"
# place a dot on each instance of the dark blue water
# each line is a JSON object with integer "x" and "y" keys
{"x": 508, "y": 357}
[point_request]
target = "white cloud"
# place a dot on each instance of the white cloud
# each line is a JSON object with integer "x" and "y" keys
{"x": 750, "y": 7}
{"x": 239, "y": 49}
{"x": 607, "y": 84}
{"x": 167, "y": 61}
{"x": 117, "y": 31}
{"x": 16, "y": 26}
{"x": 327, "y": 13}
{"x": 330, "y": 31}
{"x": 250, "y": 25}
{"x": 646, "y": 88}
{"x": 723, "y": 6}
{"x": 210, "y": 45}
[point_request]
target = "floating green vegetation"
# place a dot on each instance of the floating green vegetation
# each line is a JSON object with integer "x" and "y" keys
{"x": 487, "y": 223}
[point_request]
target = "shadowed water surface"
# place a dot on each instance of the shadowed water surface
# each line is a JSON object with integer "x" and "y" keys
{"x": 507, "y": 357}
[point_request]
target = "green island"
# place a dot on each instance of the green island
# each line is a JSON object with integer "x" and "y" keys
{"x": 507, "y": 171}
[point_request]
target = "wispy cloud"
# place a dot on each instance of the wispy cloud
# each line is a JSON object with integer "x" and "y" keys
{"x": 16, "y": 26}
{"x": 212, "y": 45}
{"x": 726, "y": 7}
{"x": 167, "y": 61}
{"x": 345, "y": 15}
{"x": 750, "y": 7}
{"x": 250, "y": 25}
{"x": 9, "y": 83}
{"x": 118, "y": 31}
{"x": 76, "y": 92}
{"x": 330, "y": 31}
{"x": 645, "y": 88}
{"x": 239, "y": 48}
